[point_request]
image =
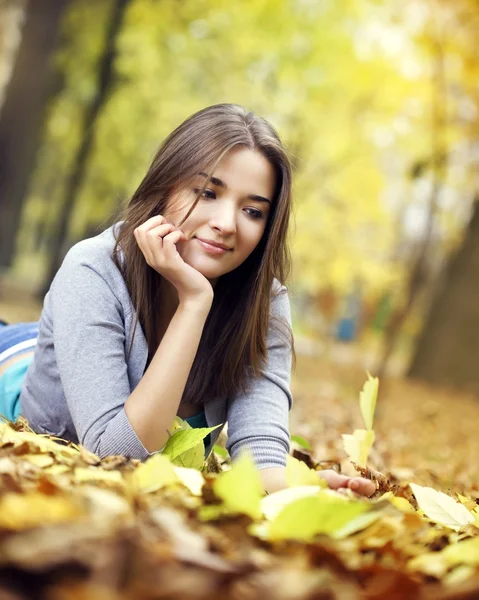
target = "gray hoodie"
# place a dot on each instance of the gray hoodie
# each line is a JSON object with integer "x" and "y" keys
{"x": 78, "y": 382}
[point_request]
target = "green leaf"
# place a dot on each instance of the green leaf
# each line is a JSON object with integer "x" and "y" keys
{"x": 357, "y": 524}
{"x": 441, "y": 508}
{"x": 273, "y": 504}
{"x": 301, "y": 441}
{"x": 185, "y": 439}
{"x": 298, "y": 473}
{"x": 220, "y": 451}
{"x": 193, "y": 458}
{"x": 367, "y": 400}
{"x": 308, "y": 517}
{"x": 240, "y": 488}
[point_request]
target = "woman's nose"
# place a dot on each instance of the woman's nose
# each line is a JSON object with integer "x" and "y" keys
{"x": 224, "y": 219}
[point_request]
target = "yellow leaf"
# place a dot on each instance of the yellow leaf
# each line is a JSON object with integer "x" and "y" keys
{"x": 105, "y": 504}
{"x": 190, "y": 478}
{"x": 431, "y": 563}
{"x": 308, "y": 517}
{"x": 367, "y": 400}
{"x": 22, "y": 511}
{"x": 458, "y": 575}
{"x": 465, "y": 553}
{"x": 82, "y": 474}
{"x": 298, "y": 473}
{"x": 273, "y": 504}
{"x": 43, "y": 443}
{"x": 153, "y": 474}
{"x": 39, "y": 460}
{"x": 360, "y": 522}
{"x": 437, "y": 563}
{"x": 402, "y": 504}
{"x": 240, "y": 488}
{"x": 57, "y": 469}
{"x": 358, "y": 444}
{"x": 441, "y": 508}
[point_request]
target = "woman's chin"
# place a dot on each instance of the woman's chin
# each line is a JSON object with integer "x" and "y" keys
{"x": 211, "y": 272}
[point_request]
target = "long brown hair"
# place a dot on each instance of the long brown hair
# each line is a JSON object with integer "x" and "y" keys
{"x": 234, "y": 341}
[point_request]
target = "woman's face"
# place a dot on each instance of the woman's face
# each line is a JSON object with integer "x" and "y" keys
{"x": 232, "y": 212}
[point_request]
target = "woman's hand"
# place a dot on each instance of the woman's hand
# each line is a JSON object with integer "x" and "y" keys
{"x": 157, "y": 239}
{"x": 360, "y": 485}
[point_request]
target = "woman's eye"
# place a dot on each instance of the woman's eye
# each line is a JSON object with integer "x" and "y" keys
{"x": 208, "y": 194}
{"x": 254, "y": 213}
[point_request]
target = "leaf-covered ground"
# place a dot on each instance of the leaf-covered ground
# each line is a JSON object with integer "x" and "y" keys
{"x": 74, "y": 527}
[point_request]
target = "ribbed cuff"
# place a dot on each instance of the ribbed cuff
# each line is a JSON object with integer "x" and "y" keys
{"x": 120, "y": 438}
{"x": 267, "y": 452}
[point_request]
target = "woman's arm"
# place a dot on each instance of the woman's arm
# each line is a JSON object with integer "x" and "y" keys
{"x": 274, "y": 479}
{"x": 152, "y": 406}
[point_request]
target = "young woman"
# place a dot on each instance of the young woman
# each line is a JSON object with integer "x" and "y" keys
{"x": 180, "y": 308}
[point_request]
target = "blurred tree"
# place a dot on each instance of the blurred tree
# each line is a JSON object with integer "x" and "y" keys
{"x": 346, "y": 83}
{"x": 293, "y": 62}
{"x": 12, "y": 16}
{"x": 32, "y": 82}
{"x": 418, "y": 275}
{"x": 105, "y": 82}
{"x": 448, "y": 348}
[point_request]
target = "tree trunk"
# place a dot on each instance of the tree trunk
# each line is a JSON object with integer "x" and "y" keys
{"x": 32, "y": 83}
{"x": 448, "y": 348}
{"x": 105, "y": 80}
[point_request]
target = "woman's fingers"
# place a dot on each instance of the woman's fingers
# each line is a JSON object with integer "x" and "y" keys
{"x": 157, "y": 239}
{"x": 170, "y": 240}
{"x": 362, "y": 486}
{"x": 152, "y": 222}
{"x": 161, "y": 231}
{"x": 336, "y": 481}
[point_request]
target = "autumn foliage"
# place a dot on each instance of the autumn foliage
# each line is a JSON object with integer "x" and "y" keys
{"x": 76, "y": 526}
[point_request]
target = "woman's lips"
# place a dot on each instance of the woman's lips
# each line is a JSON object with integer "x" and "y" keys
{"x": 210, "y": 248}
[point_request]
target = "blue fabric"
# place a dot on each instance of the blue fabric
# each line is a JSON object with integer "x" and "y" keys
{"x": 10, "y": 387}
{"x": 11, "y": 381}
{"x": 15, "y": 339}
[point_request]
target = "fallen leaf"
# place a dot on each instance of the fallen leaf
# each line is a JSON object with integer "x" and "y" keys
{"x": 367, "y": 400}
{"x": 298, "y": 473}
{"x": 240, "y": 488}
{"x": 441, "y": 508}
{"x": 358, "y": 445}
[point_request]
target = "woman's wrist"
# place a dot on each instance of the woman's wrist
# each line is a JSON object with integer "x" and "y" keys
{"x": 199, "y": 304}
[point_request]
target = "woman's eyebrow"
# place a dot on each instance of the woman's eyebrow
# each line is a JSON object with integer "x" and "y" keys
{"x": 218, "y": 182}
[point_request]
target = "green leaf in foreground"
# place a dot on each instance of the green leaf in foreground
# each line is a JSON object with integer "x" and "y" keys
{"x": 240, "y": 488}
{"x": 308, "y": 517}
{"x": 185, "y": 448}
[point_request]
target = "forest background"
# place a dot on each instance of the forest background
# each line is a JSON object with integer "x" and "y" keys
{"x": 377, "y": 102}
